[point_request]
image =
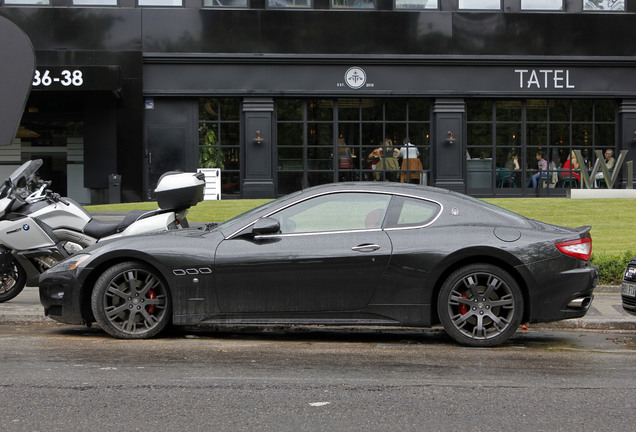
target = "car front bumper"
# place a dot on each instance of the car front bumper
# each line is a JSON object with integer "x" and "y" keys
{"x": 628, "y": 296}
{"x": 60, "y": 296}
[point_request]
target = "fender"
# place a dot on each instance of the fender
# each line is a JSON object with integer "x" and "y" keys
{"x": 25, "y": 233}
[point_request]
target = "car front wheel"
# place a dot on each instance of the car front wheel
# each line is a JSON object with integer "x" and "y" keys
{"x": 480, "y": 305}
{"x": 130, "y": 301}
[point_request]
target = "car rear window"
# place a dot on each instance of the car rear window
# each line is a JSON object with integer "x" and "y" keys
{"x": 411, "y": 212}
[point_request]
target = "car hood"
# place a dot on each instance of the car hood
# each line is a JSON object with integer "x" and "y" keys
{"x": 152, "y": 239}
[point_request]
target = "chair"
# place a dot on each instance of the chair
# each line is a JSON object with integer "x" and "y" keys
{"x": 568, "y": 180}
{"x": 600, "y": 180}
{"x": 505, "y": 178}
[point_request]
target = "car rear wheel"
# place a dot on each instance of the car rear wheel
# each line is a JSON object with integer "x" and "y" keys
{"x": 130, "y": 301}
{"x": 480, "y": 305}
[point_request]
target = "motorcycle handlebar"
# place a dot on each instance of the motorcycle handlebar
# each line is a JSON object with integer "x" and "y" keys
{"x": 55, "y": 197}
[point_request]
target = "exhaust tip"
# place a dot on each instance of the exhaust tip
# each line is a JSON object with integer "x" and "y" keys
{"x": 580, "y": 303}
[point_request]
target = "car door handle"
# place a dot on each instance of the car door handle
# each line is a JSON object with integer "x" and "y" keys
{"x": 368, "y": 247}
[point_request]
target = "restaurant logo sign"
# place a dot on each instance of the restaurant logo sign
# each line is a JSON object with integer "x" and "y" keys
{"x": 355, "y": 77}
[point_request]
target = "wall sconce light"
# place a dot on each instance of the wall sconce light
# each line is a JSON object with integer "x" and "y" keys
{"x": 259, "y": 139}
{"x": 450, "y": 139}
{"x": 634, "y": 138}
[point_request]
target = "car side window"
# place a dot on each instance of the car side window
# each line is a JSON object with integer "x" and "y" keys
{"x": 411, "y": 212}
{"x": 334, "y": 212}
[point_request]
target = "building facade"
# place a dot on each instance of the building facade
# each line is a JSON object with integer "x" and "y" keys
{"x": 286, "y": 94}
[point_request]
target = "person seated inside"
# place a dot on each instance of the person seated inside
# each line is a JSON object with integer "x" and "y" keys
{"x": 609, "y": 163}
{"x": 609, "y": 159}
{"x": 542, "y": 164}
{"x": 569, "y": 167}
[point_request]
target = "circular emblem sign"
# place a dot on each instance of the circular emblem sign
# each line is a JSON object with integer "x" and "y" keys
{"x": 355, "y": 77}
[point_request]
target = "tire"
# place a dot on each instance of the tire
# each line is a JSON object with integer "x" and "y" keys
{"x": 480, "y": 305}
{"x": 12, "y": 281}
{"x": 131, "y": 301}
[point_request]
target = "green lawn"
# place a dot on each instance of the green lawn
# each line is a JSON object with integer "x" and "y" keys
{"x": 613, "y": 221}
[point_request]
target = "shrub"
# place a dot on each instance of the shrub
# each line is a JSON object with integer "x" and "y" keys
{"x": 611, "y": 266}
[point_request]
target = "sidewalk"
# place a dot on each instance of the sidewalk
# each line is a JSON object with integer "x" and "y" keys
{"x": 606, "y": 312}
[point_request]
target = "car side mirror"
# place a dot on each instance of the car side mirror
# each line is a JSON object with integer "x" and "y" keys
{"x": 266, "y": 226}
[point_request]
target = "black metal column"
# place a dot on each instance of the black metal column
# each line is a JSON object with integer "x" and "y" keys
{"x": 626, "y": 139}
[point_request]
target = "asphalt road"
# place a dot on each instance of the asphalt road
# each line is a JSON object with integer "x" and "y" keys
{"x": 65, "y": 378}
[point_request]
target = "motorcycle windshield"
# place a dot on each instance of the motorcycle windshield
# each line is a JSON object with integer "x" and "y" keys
{"x": 23, "y": 174}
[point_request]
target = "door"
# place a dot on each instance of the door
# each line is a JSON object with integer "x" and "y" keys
{"x": 171, "y": 138}
{"x": 329, "y": 256}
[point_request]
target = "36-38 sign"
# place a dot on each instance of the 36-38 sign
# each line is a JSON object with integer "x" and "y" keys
{"x": 76, "y": 78}
{"x": 66, "y": 77}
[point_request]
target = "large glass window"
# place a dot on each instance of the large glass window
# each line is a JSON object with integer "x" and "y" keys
{"x": 361, "y": 4}
{"x": 28, "y": 2}
{"x": 604, "y": 5}
{"x": 160, "y": 2}
{"x": 416, "y": 4}
{"x": 219, "y": 140}
{"x": 541, "y": 4}
{"x": 289, "y": 3}
{"x": 52, "y": 129}
{"x": 530, "y": 143}
{"x": 480, "y": 4}
{"x": 95, "y": 2}
{"x": 351, "y": 139}
{"x": 225, "y": 3}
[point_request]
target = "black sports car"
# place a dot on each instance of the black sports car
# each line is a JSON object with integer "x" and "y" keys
{"x": 628, "y": 288}
{"x": 341, "y": 254}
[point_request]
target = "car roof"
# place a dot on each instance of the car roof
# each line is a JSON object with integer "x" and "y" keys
{"x": 387, "y": 187}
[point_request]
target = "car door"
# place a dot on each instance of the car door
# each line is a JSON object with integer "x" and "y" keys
{"x": 329, "y": 255}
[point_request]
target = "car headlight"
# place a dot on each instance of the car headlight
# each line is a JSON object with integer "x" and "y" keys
{"x": 630, "y": 273}
{"x": 70, "y": 264}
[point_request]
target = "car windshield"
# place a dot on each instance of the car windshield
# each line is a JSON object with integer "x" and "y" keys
{"x": 248, "y": 216}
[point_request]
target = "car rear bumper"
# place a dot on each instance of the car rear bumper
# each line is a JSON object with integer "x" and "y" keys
{"x": 569, "y": 295}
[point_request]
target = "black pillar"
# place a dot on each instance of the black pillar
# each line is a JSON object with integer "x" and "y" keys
{"x": 258, "y": 149}
{"x": 626, "y": 139}
{"x": 449, "y": 155}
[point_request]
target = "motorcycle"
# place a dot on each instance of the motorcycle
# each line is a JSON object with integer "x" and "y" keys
{"x": 39, "y": 228}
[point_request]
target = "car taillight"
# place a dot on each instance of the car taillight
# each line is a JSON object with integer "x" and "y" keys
{"x": 581, "y": 248}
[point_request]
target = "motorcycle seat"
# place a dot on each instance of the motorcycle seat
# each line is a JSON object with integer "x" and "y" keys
{"x": 99, "y": 228}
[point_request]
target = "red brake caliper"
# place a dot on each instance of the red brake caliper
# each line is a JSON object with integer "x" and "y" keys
{"x": 463, "y": 308}
{"x": 151, "y": 296}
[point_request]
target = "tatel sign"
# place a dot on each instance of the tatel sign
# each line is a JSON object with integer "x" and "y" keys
{"x": 544, "y": 79}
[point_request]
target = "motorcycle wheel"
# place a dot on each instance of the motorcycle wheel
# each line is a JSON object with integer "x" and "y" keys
{"x": 12, "y": 282}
